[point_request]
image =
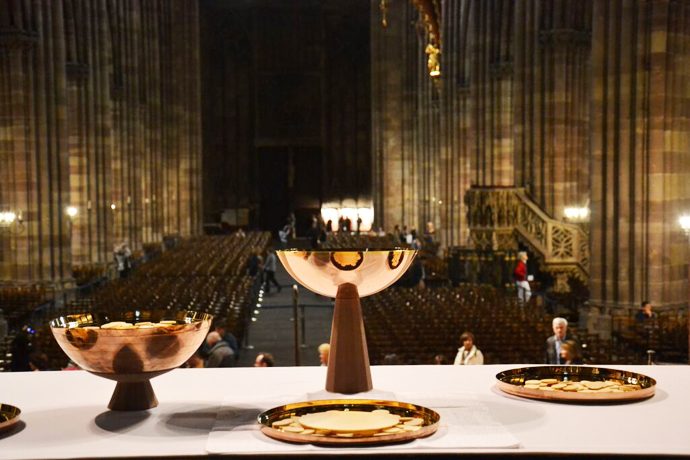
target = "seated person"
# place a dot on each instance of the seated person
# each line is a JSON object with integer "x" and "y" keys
{"x": 220, "y": 327}
{"x": 468, "y": 353}
{"x": 570, "y": 353}
{"x": 264, "y": 360}
{"x": 220, "y": 354}
{"x": 440, "y": 359}
{"x": 324, "y": 352}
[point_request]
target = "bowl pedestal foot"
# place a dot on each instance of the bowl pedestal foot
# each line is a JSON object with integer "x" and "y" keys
{"x": 130, "y": 396}
{"x": 348, "y": 361}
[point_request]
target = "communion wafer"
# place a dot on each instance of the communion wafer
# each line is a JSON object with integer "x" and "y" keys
{"x": 293, "y": 429}
{"x": 349, "y": 424}
{"x": 583, "y": 386}
{"x": 414, "y": 422}
{"x": 411, "y": 428}
{"x": 349, "y": 421}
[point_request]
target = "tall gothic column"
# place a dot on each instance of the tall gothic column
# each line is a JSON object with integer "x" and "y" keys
{"x": 640, "y": 140}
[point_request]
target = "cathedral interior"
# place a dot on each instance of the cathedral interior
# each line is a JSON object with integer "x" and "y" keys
{"x": 473, "y": 130}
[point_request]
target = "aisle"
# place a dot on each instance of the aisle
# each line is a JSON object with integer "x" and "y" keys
{"x": 273, "y": 329}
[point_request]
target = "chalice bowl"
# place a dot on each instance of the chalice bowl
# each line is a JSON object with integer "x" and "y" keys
{"x": 347, "y": 275}
{"x": 131, "y": 348}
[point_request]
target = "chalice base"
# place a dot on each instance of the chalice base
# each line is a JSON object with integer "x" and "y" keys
{"x": 348, "y": 361}
{"x": 131, "y": 396}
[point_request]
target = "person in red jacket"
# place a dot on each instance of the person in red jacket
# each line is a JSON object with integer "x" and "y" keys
{"x": 520, "y": 274}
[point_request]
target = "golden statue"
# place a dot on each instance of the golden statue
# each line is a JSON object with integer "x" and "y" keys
{"x": 433, "y": 63}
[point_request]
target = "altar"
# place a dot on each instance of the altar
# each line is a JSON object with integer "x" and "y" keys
{"x": 65, "y": 415}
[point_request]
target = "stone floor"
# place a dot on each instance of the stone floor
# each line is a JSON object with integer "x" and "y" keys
{"x": 273, "y": 329}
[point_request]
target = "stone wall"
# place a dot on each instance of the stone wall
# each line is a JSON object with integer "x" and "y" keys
{"x": 581, "y": 103}
{"x": 100, "y": 107}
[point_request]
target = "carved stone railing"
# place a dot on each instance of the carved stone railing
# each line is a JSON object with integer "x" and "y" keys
{"x": 501, "y": 217}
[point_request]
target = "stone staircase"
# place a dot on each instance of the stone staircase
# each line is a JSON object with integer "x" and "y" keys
{"x": 500, "y": 218}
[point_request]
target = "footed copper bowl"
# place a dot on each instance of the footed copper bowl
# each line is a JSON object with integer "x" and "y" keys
{"x": 347, "y": 275}
{"x": 131, "y": 356}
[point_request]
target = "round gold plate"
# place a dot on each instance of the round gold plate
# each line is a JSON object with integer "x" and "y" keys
{"x": 266, "y": 419}
{"x": 512, "y": 381}
{"x": 9, "y": 416}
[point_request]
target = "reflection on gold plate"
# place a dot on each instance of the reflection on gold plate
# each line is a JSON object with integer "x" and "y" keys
{"x": 576, "y": 384}
{"x": 9, "y": 416}
{"x": 284, "y": 422}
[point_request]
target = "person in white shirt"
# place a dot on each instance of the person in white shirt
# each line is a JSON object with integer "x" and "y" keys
{"x": 468, "y": 354}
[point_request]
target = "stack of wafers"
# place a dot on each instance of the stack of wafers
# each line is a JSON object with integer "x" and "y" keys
{"x": 582, "y": 386}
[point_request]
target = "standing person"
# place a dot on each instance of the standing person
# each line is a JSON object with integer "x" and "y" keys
{"x": 254, "y": 263}
{"x": 270, "y": 271}
{"x": 468, "y": 353}
{"x": 292, "y": 223}
{"x": 122, "y": 255}
{"x": 284, "y": 234}
{"x": 645, "y": 312}
{"x": 397, "y": 233}
{"x": 4, "y": 327}
{"x": 429, "y": 233}
{"x": 555, "y": 342}
{"x": 524, "y": 291}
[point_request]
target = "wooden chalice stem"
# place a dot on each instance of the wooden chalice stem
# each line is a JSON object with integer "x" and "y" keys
{"x": 348, "y": 361}
{"x": 129, "y": 396}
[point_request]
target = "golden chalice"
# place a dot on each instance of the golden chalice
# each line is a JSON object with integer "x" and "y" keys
{"x": 347, "y": 275}
{"x": 153, "y": 342}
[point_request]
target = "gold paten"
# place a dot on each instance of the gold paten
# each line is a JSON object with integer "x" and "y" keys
{"x": 131, "y": 356}
{"x": 512, "y": 382}
{"x": 9, "y": 416}
{"x": 266, "y": 419}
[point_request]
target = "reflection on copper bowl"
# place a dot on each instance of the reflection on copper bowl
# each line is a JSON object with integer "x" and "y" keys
{"x": 131, "y": 356}
{"x": 371, "y": 270}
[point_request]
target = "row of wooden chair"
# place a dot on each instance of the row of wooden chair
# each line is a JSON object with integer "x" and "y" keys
{"x": 205, "y": 274}
{"x": 415, "y": 325}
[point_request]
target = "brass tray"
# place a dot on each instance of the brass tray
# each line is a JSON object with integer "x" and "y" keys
{"x": 512, "y": 381}
{"x": 429, "y": 426}
{"x": 9, "y": 416}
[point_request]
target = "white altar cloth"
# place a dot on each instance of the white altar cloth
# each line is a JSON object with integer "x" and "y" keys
{"x": 64, "y": 414}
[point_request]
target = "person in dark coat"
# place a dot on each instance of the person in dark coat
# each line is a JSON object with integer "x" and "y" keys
{"x": 555, "y": 342}
{"x": 220, "y": 355}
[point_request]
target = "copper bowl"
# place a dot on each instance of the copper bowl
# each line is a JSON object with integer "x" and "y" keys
{"x": 131, "y": 356}
{"x": 371, "y": 270}
{"x": 347, "y": 275}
